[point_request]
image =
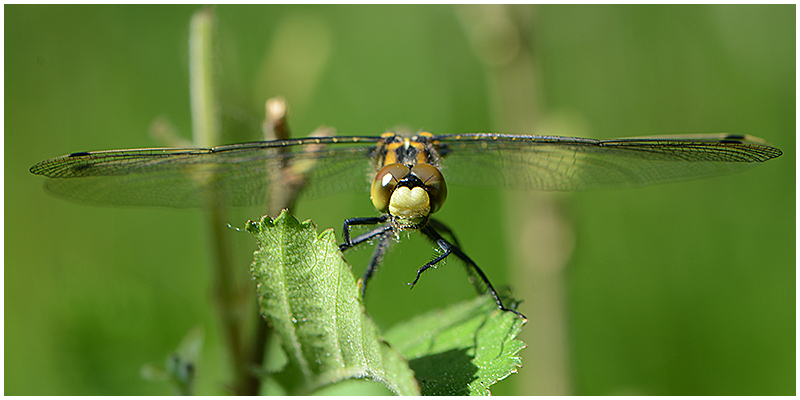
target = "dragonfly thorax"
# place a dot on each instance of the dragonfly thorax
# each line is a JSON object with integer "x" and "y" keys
{"x": 408, "y": 193}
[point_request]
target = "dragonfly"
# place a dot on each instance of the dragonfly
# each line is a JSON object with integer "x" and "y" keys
{"x": 407, "y": 175}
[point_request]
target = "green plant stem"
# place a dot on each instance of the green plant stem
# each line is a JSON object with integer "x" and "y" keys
{"x": 511, "y": 71}
{"x": 206, "y": 133}
{"x": 205, "y": 119}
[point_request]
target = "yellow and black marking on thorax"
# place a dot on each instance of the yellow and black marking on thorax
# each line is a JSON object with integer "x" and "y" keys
{"x": 398, "y": 149}
{"x": 408, "y": 185}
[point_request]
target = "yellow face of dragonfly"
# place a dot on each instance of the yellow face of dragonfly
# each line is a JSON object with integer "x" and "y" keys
{"x": 408, "y": 194}
{"x": 408, "y": 186}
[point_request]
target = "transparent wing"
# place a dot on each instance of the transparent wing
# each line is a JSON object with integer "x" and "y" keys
{"x": 566, "y": 163}
{"x": 249, "y": 173}
{"x": 234, "y": 175}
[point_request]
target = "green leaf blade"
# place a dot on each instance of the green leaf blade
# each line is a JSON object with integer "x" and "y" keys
{"x": 309, "y": 295}
{"x": 462, "y": 350}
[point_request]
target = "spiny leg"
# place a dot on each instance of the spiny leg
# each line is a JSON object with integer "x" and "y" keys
{"x": 449, "y": 248}
{"x": 369, "y": 235}
{"x": 436, "y": 226}
{"x": 377, "y": 256}
{"x": 441, "y": 227}
{"x": 384, "y": 233}
{"x": 444, "y": 245}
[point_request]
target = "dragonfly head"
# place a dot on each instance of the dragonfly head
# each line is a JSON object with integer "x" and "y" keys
{"x": 409, "y": 193}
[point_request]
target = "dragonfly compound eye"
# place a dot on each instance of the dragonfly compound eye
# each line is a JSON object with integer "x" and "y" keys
{"x": 384, "y": 184}
{"x": 434, "y": 184}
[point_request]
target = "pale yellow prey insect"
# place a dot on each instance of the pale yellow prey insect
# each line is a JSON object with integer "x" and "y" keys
{"x": 408, "y": 174}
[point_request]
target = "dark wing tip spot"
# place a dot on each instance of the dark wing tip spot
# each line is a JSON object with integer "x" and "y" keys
{"x": 735, "y": 136}
{"x": 80, "y": 154}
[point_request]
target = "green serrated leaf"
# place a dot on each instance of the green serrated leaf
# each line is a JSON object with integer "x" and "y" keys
{"x": 462, "y": 350}
{"x": 309, "y": 295}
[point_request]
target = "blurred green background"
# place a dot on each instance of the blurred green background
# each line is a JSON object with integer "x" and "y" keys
{"x": 679, "y": 289}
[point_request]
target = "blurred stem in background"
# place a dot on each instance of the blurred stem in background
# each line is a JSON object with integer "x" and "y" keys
{"x": 540, "y": 238}
{"x": 231, "y": 295}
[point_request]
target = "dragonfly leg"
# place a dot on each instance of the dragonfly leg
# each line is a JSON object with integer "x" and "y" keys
{"x": 377, "y": 257}
{"x": 369, "y": 235}
{"x": 444, "y": 246}
{"x": 441, "y": 227}
{"x": 472, "y": 268}
{"x": 384, "y": 233}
